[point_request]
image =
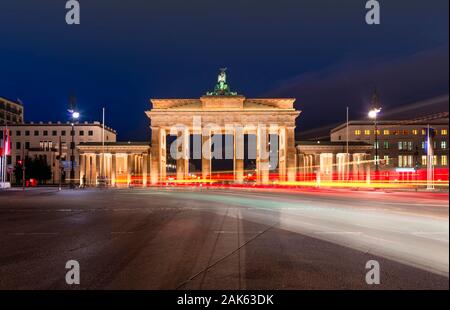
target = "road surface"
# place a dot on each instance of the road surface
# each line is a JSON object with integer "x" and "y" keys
{"x": 204, "y": 238}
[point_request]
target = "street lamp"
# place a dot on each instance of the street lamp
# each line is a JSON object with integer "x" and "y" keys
{"x": 74, "y": 115}
{"x": 374, "y": 115}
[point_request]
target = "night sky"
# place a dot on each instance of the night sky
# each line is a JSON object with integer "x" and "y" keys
{"x": 125, "y": 52}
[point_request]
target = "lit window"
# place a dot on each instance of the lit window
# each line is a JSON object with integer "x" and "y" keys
{"x": 400, "y": 145}
{"x": 410, "y": 146}
{"x": 386, "y": 132}
{"x": 423, "y": 145}
{"x": 415, "y": 132}
{"x": 444, "y": 132}
{"x": 405, "y": 132}
{"x": 367, "y": 132}
{"x": 434, "y": 160}
{"x": 386, "y": 145}
{"x": 444, "y": 161}
{"x": 424, "y": 132}
{"x": 443, "y": 145}
{"x": 358, "y": 132}
{"x": 376, "y": 145}
{"x": 386, "y": 159}
{"x": 405, "y": 161}
{"x": 424, "y": 160}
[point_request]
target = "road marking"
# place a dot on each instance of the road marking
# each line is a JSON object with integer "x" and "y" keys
{"x": 236, "y": 232}
{"x": 337, "y": 232}
{"x": 34, "y": 234}
{"x": 122, "y": 232}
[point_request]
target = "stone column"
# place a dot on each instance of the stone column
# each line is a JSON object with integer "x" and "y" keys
{"x": 97, "y": 167}
{"x": 144, "y": 169}
{"x": 262, "y": 155}
{"x": 113, "y": 169}
{"x": 282, "y": 135}
{"x": 183, "y": 162}
{"x": 130, "y": 168}
{"x": 206, "y": 154}
{"x": 82, "y": 168}
{"x": 238, "y": 155}
{"x": 158, "y": 155}
{"x": 291, "y": 154}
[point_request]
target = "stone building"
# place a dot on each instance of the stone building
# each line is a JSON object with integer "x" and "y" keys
{"x": 11, "y": 112}
{"x": 53, "y": 141}
{"x": 400, "y": 143}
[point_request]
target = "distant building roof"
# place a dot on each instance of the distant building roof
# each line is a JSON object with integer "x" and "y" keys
{"x": 17, "y": 101}
{"x": 330, "y": 143}
{"x": 77, "y": 124}
{"x": 119, "y": 143}
{"x": 438, "y": 118}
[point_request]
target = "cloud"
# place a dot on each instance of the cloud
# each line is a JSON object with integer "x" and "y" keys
{"x": 323, "y": 96}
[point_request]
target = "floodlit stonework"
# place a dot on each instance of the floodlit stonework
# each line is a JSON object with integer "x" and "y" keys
{"x": 255, "y": 116}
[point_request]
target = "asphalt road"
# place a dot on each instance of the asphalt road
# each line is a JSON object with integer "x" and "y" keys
{"x": 193, "y": 238}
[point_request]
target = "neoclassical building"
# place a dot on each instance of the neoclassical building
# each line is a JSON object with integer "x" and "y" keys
{"x": 270, "y": 121}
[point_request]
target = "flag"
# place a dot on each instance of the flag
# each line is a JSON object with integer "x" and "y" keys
{"x": 6, "y": 150}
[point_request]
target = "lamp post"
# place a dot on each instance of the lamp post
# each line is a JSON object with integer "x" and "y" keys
{"x": 374, "y": 115}
{"x": 74, "y": 115}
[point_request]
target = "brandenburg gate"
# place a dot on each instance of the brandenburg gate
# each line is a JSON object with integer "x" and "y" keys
{"x": 222, "y": 112}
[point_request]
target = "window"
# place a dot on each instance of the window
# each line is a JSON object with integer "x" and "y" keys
{"x": 54, "y": 133}
{"x": 36, "y": 132}
{"x": 63, "y": 132}
{"x": 386, "y": 145}
{"x": 424, "y": 160}
{"x": 90, "y": 133}
{"x": 18, "y": 133}
{"x": 443, "y": 145}
{"x": 415, "y": 132}
{"x": 367, "y": 132}
{"x": 376, "y": 145}
{"x": 405, "y": 132}
{"x": 400, "y": 145}
{"x": 434, "y": 160}
{"x": 444, "y": 132}
{"x": 386, "y": 159}
{"x": 27, "y": 132}
{"x": 18, "y": 145}
{"x": 424, "y": 132}
{"x": 358, "y": 132}
{"x": 386, "y": 132}
{"x": 423, "y": 145}
{"x": 45, "y": 133}
{"x": 405, "y": 161}
{"x": 81, "y": 133}
{"x": 27, "y": 145}
{"x": 444, "y": 161}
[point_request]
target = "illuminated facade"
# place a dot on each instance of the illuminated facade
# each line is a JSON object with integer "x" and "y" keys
{"x": 400, "y": 143}
{"x": 11, "y": 112}
{"x": 53, "y": 142}
{"x": 330, "y": 161}
{"x": 119, "y": 163}
{"x": 258, "y": 117}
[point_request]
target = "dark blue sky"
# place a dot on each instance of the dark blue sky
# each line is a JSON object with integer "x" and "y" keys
{"x": 126, "y": 52}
